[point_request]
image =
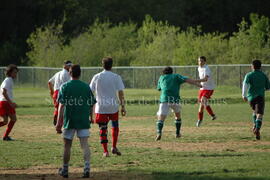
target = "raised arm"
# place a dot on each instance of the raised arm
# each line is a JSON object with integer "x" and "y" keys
{"x": 202, "y": 80}
{"x": 193, "y": 82}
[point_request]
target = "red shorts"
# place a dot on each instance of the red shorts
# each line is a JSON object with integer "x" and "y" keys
{"x": 6, "y": 109}
{"x": 206, "y": 93}
{"x": 56, "y": 104}
{"x": 104, "y": 118}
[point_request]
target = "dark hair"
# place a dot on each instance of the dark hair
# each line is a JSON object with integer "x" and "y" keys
{"x": 203, "y": 58}
{"x": 257, "y": 64}
{"x": 75, "y": 71}
{"x": 10, "y": 68}
{"x": 107, "y": 63}
{"x": 67, "y": 62}
{"x": 167, "y": 70}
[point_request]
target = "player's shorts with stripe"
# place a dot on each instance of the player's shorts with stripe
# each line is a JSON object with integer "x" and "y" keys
{"x": 206, "y": 93}
{"x": 55, "y": 102}
{"x": 104, "y": 118}
{"x": 6, "y": 109}
{"x": 165, "y": 107}
{"x": 257, "y": 104}
{"x": 81, "y": 133}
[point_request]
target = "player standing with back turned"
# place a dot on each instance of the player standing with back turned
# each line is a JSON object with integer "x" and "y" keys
{"x": 253, "y": 91}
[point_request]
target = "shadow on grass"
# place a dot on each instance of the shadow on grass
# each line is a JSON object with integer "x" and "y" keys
{"x": 126, "y": 175}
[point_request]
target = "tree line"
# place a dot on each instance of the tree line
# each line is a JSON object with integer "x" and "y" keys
{"x": 19, "y": 19}
{"x": 154, "y": 43}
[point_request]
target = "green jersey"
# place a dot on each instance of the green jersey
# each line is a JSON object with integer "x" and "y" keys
{"x": 78, "y": 99}
{"x": 257, "y": 82}
{"x": 169, "y": 85}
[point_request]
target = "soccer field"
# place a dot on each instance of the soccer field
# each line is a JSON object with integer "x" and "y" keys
{"x": 220, "y": 149}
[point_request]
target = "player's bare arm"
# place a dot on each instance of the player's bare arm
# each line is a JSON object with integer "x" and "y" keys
{"x": 122, "y": 102}
{"x": 193, "y": 82}
{"x": 203, "y": 80}
{"x": 60, "y": 118}
{"x": 8, "y": 99}
{"x": 50, "y": 86}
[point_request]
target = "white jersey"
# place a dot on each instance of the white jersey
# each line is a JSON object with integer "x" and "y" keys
{"x": 8, "y": 85}
{"x": 203, "y": 72}
{"x": 106, "y": 84}
{"x": 60, "y": 78}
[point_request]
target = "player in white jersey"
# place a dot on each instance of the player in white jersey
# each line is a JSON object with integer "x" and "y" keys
{"x": 107, "y": 85}
{"x": 55, "y": 83}
{"x": 7, "y": 104}
{"x": 205, "y": 93}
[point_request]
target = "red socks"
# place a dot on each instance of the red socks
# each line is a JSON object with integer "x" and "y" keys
{"x": 9, "y": 128}
{"x": 103, "y": 139}
{"x": 209, "y": 110}
{"x": 115, "y": 132}
{"x": 200, "y": 116}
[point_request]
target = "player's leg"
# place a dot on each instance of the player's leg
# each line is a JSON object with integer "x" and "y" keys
{"x": 68, "y": 135}
{"x": 3, "y": 113}
{"x": 200, "y": 111}
{"x": 209, "y": 109}
{"x": 56, "y": 104}
{"x": 103, "y": 129}
{"x": 259, "y": 109}
{"x": 161, "y": 116}
{"x": 178, "y": 122}
{"x": 12, "y": 121}
{"x": 115, "y": 133}
{"x": 86, "y": 155}
{"x": 4, "y": 121}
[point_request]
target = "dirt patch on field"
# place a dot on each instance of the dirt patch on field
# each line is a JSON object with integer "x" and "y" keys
{"x": 205, "y": 146}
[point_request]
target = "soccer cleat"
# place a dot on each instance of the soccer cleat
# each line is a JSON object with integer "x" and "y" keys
{"x": 106, "y": 154}
{"x": 7, "y": 138}
{"x": 86, "y": 174}
{"x": 199, "y": 123}
{"x": 158, "y": 137}
{"x": 116, "y": 151}
{"x": 214, "y": 117}
{"x": 257, "y": 133}
{"x": 63, "y": 173}
{"x": 178, "y": 135}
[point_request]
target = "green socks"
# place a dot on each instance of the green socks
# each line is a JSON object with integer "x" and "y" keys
{"x": 159, "y": 126}
{"x": 258, "y": 123}
{"x": 178, "y": 124}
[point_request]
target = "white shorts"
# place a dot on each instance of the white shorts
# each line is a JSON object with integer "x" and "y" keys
{"x": 69, "y": 133}
{"x": 164, "y": 108}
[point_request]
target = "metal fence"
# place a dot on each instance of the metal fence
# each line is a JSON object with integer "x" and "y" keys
{"x": 137, "y": 77}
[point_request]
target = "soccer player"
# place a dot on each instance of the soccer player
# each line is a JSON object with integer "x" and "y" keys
{"x": 76, "y": 101}
{"x": 206, "y": 91}
{"x": 107, "y": 85}
{"x": 253, "y": 91}
{"x": 7, "y": 105}
{"x": 55, "y": 83}
{"x": 169, "y": 84}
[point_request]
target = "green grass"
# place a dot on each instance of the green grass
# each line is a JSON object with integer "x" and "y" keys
{"x": 220, "y": 149}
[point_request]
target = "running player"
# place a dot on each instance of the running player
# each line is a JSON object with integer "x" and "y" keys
{"x": 7, "y": 105}
{"x": 253, "y": 91}
{"x": 206, "y": 91}
{"x": 169, "y": 84}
